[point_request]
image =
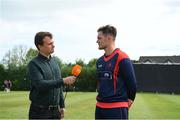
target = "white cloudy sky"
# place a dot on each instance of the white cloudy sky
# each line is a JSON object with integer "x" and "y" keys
{"x": 145, "y": 27}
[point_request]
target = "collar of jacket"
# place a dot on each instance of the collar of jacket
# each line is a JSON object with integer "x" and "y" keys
{"x": 44, "y": 58}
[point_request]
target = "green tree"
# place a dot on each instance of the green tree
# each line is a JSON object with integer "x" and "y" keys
{"x": 80, "y": 62}
{"x": 2, "y": 75}
{"x": 15, "y": 57}
{"x": 15, "y": 62}
{"x": 92, "y": 62}
{"x": 87, "y": 79}
{"x": 31, "y": 53}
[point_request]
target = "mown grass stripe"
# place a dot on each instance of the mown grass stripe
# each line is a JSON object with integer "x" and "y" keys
{"x": 81, "y": 105}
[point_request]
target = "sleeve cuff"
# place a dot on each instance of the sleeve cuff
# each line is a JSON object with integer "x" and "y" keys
{"x": 60, "y": 82}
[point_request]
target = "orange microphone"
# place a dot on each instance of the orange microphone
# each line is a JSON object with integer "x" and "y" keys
{"x": 76, "y": 70}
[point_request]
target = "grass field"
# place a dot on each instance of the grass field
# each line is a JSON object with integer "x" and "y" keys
{"x": 81, "y": 105}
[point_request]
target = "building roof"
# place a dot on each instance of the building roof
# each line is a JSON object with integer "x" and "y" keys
{"x": 159, "y": 59}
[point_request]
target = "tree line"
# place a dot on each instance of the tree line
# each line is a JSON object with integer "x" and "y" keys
{"x": 13, "y": 67}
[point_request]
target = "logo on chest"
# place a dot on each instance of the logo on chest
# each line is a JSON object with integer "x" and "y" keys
{"x": 107, "y": 75}
{"x": 104, "y": 74}
{"x": 100, "y": 66}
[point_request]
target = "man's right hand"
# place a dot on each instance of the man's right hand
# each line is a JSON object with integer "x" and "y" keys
{"x": 69, "y": 80}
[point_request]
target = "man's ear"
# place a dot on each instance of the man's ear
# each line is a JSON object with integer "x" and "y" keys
{"x": 109, "y": 37}
{"x": 39, "y": 46}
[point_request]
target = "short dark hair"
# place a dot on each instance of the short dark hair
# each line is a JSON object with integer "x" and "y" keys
{"x": 108, "y": 30}
{"x": 38, "y": 40}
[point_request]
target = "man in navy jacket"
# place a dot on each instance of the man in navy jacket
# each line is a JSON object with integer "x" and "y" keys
{"x": 116, "y": 82}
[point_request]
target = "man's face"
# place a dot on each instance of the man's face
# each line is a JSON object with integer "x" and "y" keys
{"x": 102, "y": 40}
{"x": 48, "y": 46}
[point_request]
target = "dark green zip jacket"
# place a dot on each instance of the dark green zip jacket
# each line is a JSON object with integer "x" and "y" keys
{"x": 45, "y": 82}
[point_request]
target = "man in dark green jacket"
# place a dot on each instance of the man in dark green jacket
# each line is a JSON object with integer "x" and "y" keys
{"x": 46, "y": 95}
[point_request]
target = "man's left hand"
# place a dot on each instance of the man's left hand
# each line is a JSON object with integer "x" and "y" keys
{"x": 129, "y": 102}
{"x": 61, "y": 110}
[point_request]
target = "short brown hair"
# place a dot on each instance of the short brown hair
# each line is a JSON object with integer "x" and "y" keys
{"x": 38, "y": 40}
{"x": 108, "y": 30}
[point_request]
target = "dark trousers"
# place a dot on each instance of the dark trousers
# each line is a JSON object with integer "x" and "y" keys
{"x": 36, "y": 112}
{"x": 111, "y": 113}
